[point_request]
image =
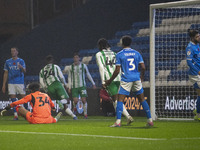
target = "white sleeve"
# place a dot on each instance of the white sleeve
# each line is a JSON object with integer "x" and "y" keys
{"x": 41, "y": 80}
{"x": 60, "y": 74}
{"x": 89, "y": 75}
{"x": 99, "y": 60}
{"x": 69, "y": 78}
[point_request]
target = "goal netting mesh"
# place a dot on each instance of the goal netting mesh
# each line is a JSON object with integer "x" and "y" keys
{"x": 174, "y": 94}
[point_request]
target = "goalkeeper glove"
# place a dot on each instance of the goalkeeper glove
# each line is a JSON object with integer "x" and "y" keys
{"x": 8, "y": 107}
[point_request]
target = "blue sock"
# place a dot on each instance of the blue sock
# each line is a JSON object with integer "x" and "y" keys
{"x": 198, "y": 104}
{"x": 13, "y": 100}
{"x": 119, "y": 109}
{"x": 146, "y": 109}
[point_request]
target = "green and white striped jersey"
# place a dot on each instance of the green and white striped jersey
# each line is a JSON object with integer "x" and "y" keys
{"x": 76, "y": 76}
{"x": 106, "y": 61}
{"x": 49, "y": 74}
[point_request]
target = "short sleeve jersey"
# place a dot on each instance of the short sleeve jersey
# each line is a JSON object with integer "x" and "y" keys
{"x": 15, "y": 74}
{"x": 193, "y": 58}
{"x": 129, "y": 59}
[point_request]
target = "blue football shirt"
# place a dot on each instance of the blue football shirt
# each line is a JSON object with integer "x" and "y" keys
{"x": 129, "y": 60}
{"x": 193, "y": 58}
{"x": 15, "y": 75}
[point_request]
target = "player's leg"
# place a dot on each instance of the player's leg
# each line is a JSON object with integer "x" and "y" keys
{"x": 21, "y": 111}
{"x": 21, "y": 91}
{"x": 119, "y": 110}
{"x": 75, "y": 97}
{"x": 197, "y": 116}
{"x": 113, "y": 91}
{"x": 138, "y": 90}
{"x": 84, "y": 101}
{"x": 124, "y": 90}
{"x": 12, "y": 94}
{"x": 62, "y": 95}
{"x": 196, "y": 83}
{"x": 83, "y": 94}
{"x": 54, "y": 120}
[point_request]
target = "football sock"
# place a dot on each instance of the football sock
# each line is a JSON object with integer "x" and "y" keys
{"x": 115, "y": 104}
{"x": 125, "y": 112}
{"x": 198, "y": 105}
{"x": 119, "y": 110}
{"x": 146, "y": 109}
{"x": 60, "y": 104}
{"x": 69, "y": 112}
{"x": 85, "y": 108}
{"x": 14, "y": 108}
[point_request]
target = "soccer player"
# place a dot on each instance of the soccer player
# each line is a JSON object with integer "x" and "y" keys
{"x": 77, "y": 84}
{"x": 51, "y": 79}
{"x": 193, "y": 61}
{"x": 41, "y": 104}
{"x": 14, "y": 69}
{"x": 129, "y": 60}
{"x": 106, "y": 59}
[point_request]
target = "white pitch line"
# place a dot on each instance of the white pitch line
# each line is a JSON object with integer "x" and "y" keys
{"x": 192, "y": 138}
{"x": 84, "y": 135}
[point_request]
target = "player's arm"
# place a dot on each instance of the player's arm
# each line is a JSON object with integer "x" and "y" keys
{"x": 89, "y": 76}
{"x": 100, "y": 63}
{"x": 115, "y": 73}
{"x": 5, "y": 78}
{"x": 142, "y": 71}
{"x": 22, "y": 66}
{"x": 69, "y": 79}
{"x": 61, "y": 76}
{"x": 41, "y": 80}
{"x": 24, "y": 100}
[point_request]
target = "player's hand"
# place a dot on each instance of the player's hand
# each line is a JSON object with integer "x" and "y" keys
{"x": 7, "y": 107}
{"x": 3, "y": 112}
{"x": 107, "y": 82}
{"x": 94, "y": 87}
{"x": 19, "y": 66}
{"x": 53, "y": 109}
{"x": 103, "y": 86}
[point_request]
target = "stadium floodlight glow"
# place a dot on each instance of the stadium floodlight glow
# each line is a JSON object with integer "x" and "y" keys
{"x": 171, "y": 93}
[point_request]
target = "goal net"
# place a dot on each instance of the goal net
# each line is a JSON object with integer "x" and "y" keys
{"x": 171, "y": 93}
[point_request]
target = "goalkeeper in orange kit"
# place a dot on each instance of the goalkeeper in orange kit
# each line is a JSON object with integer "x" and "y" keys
{"x": 41, "y": 104}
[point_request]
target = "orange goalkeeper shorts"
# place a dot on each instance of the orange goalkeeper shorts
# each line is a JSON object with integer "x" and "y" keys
{"x": 36, "y": 120}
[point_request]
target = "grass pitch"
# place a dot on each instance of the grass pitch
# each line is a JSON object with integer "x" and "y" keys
{"x": 95, "y": 134}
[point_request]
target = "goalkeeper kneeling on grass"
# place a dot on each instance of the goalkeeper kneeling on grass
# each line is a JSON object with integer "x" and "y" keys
{"x": 41, "y": 104}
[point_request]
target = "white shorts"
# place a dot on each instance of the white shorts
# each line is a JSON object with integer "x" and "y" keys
{"x": 195, "y": 81}
{"x": 14, "y": 89}
{"x": 126, "y": 87}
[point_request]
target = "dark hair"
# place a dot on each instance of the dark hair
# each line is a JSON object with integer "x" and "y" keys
{"x": 76, "y": 54}
{"x": 103, "y": 44}
{"x": 126, "y": 40}
{"x": 49, "y": 59}
{"x": 192, "y": 33}
{"x": 15, "y": 48}
{"x": 34, "y": 86}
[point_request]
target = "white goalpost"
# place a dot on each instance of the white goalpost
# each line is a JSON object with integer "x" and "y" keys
{"x": 171, "y": 94}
